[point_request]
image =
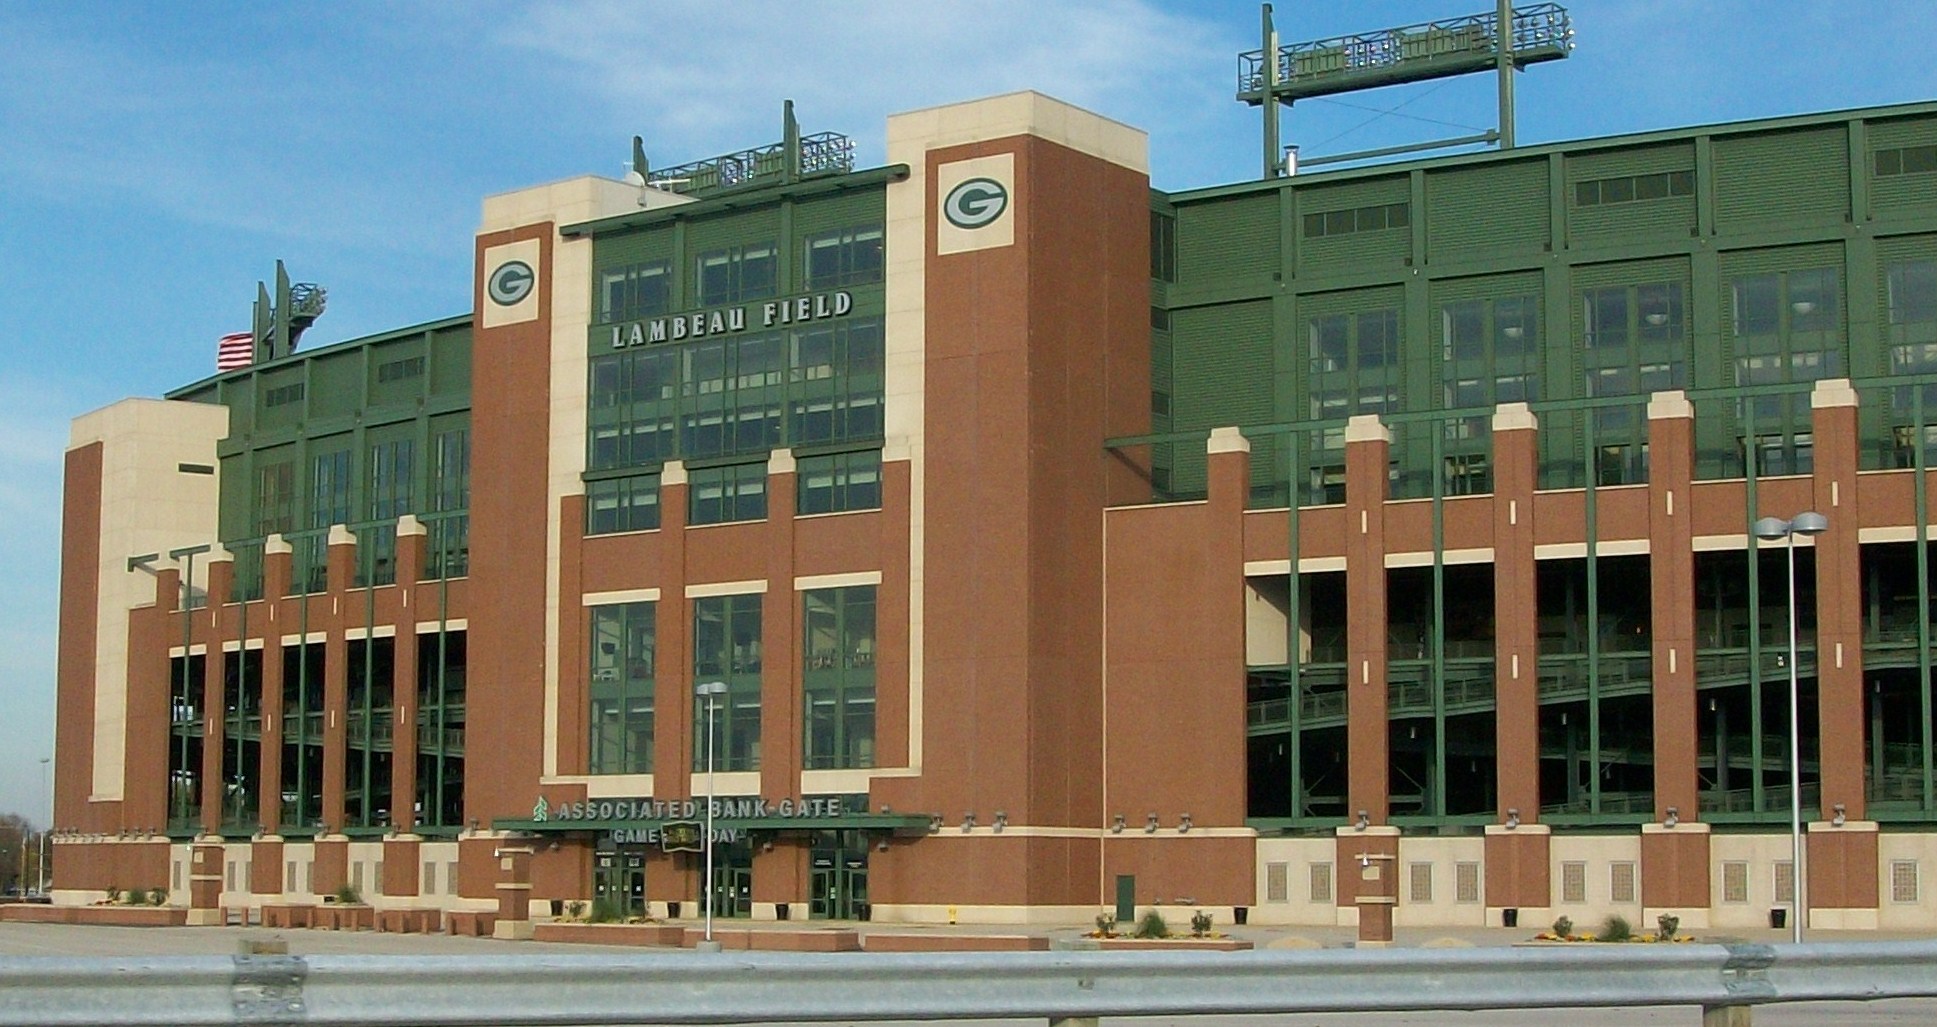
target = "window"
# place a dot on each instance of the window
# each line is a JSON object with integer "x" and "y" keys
{"x": 839, "y": 481}
{"x": 1784, "y": 881}
{"x": 623, "y": 646}
{"x": 1903, "y": 880}
{"x": 1620, "y": 883}
{"x": 734, "y": 492}
{"x": 848, "y": 256}
{"x": 450, "y": 493}
{"x": 726, "y": 648}
{"x": 835, "y": 380}
{"x": 398, "y": 370}
{"x": 392, "y": 494}
{"x": 1906, "y": 160}
{"x": 275, "y": 497}
{"x": 1735, "y": 882}
{"x": 1420, "y": 883}
{"x": 1320, "y": 878}
{"x": 1277, "y": 883}
{"x": 1912, "y": 292}
{"x": 1573, "y": 881}
{"x": 838, "y": 647}
{"x": 289, "y": 882}
{"x": 735, "y": 274}
{"x": 1353, "y": 368}
{"x": 634, "y": 292}
{"x": 1163, "y": 246}
{"x": 1466, "y": 882}
{"x": 1358, "y": 219}
{"x": 1631, "y": 188}
{"x": 429, "y": 884}
{"x": 283, "y": 395}
{"x": 622, "y": 504}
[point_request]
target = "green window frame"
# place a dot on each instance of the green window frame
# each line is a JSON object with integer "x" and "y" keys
{"x": 1375, "y": 218}
{"x": 838, "y": 482}
{"x": 1489, "y": 354}
{"x": 634, "y": 291}
{"x": 729, "y": 492}
{"x": 1634, "y": 188}
{"x": 1785, "y": 326}
{"x": 735, "y": 274}
{"x": 450, "y": 494}
{"x": 845, "y": 256}
{"x": 623, "y": 646}
{"x": 1906, "y": 160}
{"x": 275, "y": 497}
{"x": 726, "y": 648}
{"x": 837, "y": 677}
{"x": 368, "y": 726}
{"x": 1634, "y": 342}
{"x": 442, "y": 659}
{"x": 615, "y": 505}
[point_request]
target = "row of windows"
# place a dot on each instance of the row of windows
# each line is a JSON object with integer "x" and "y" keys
{"x": 397, "y": 370}
{"x": 837, "y": 663}
{"x": 283, "y": 395}
{"x": 849, "y": 256}
{"x": 1359, "y": 219}
{"x": 1630, "y": 188}
{"x": 829, "y": 483}
{"x": 1906, "y": 160}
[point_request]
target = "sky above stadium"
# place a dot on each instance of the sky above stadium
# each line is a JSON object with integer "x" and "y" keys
{"x": 156, "y": 159}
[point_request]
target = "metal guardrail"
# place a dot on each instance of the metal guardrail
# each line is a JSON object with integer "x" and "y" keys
{"x": 690, "y": 987}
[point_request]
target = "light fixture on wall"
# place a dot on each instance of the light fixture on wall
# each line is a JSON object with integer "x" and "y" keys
{"x": 1364, "y": 821}
{"x": 1839, "y": 817}
{"x": 1150, "y": 822}
{"x": 1183, "y": 823}
{"x": 934, "y": 822}
{"x": 881, "y": 846}
{"x": 1513, "y": 817}
{"x": 1673, "y": 817}
{"x": 1656, "y": 318}
{"x": 968, "y": 821}
{"x": 1116, "y": 824}
{"x": 1001, "y": 821}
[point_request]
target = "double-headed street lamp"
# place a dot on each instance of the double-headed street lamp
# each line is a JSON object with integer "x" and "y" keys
{"x": 710, "y": 690}
{"x": 1769, "y": 529}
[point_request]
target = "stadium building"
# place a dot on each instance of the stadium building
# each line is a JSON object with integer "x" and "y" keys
{"x": 996, "y": 538}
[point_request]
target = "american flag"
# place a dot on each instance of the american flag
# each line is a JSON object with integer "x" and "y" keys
{"x": 237, "y": 349}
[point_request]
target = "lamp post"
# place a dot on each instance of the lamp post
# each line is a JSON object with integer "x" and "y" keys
{"x": 1770, "y": 529}
{"x": 42, "y": 851}
{"x": 709, "y": 689}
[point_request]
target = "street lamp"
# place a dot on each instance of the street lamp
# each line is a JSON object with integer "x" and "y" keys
{"x": 1770, "y": 529}
{"x": 709, "y": 689}
{"x": 44, "y": 760}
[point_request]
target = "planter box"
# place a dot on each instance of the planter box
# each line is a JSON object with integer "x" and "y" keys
{"x": 410, "y": 921}
{"x": 954, "y": 943}
{"x": 343, "y": 918}
{"x": 286, "y": 916}
{"x": 103, "y": 916}
{"x": 830, "y": 940}
{"x": 609, "y": 934}
{"x": 1201, "y": 944}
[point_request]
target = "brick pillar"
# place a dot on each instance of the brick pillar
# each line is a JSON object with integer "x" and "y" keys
{"x": 673, "y": 700}
{"x": 336, "y": 682}
{"x": 266, "y": 866}
{"x": 1516, "y": 858}
{"x": 331, "y": 869}
{"x": 1674, "y": 860}
{"x": 400, "y": 865}
{"x": 514, "y": 892}
{"x": 781, "y": 698}
{"x": 205, "y": 881}
{"x": 275, "y": 581}
{"x": 1367, "y": 445}
{"x": 208, "y": 628}
{"x": 1840, "y": 864}
{"x": 781, "y": 873}
{"x": 411, "y": 551}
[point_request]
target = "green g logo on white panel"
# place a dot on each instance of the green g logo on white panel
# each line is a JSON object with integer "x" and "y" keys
{"x": 510, "y": 283}
{"x": 975, "y": 203}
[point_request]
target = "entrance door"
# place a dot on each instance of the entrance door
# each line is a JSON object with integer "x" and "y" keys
{"x": 732, "y": 880}
{"x": 839, "y": 880}
{"x": 619, "y": 883}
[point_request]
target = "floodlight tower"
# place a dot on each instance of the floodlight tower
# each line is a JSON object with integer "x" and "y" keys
{"x": 1502, "y": 41}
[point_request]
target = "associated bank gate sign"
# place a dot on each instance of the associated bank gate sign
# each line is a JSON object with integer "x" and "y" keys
{"x": 648, "y": 809}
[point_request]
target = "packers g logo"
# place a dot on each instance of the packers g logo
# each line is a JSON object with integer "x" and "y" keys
{"x": 975, "y": 203}
{"x": 510, "y": 283}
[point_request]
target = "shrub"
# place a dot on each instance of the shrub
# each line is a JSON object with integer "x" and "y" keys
{"x": 114, "y": 895}
{"x": 1563, "y": 928}
{"x": 1200, "y": 924}
{"x": 1152, "y": 926}
{"x": 1616, "y": 928}
{"x": 1106, "y": 924}
{"x": 1669, "y": 924}
{"x": 158, "y": 896}
{"x": 346, "y": 894}
{"x": 604, "y": 911}
{"x": 575, "y": 910}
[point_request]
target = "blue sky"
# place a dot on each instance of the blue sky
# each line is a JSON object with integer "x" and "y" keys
{"x": 156, "y": 159}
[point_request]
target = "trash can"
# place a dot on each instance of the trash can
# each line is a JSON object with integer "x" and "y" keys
{"x": 1778, "y": 918}
{"x": 1510, "y": 916}
{"x": 1241, "y": 915}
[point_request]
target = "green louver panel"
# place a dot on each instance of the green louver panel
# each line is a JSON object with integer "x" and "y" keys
{"x": 1781, "y": 179}
{"x": 1487, "y": 209}
{"x": 1227, "y": 238}
{"x": 1359, "y": 249}
{"x": 1896, "y": 194}
{"x": 1605, "y": 223}
{"x": 841, "y": 210}
{"x": 336, "y": 385}
{"x": 1223, "y": 370}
